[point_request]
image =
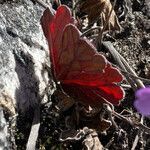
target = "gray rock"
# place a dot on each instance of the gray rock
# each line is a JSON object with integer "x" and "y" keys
{"x": 23, "y": 53}
{"x": 4, "y": 145}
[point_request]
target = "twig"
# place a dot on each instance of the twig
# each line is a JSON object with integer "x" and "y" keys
{"x": 137, "y": 136}
{"x": 89, "y": 30}
{"x": 125, "y": 86}
{"x": 109, "y": 143}
{"x": 59, "y": 2}
{"x": 132, "y": 75}
{"x": 134, "y": 124}
{"x": 114, "y": 53}
{"x": 139, "y": 125}
{"x": 73, "y": 9}
{"x": 109, "y": 109}
{"x": 136, "y": 77}
{"x": 124, "y": 65}
{"x": 137, "y": 81}
{"x": 31, "y": 144}
{"x": 135, "y": 141}
{"x": 77, "y": 3}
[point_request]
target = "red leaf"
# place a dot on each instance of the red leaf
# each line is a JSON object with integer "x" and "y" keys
{"x": 53, "y": 29}
{"x": 84, "y": 74}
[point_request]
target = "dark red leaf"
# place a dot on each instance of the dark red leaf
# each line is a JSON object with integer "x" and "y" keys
{"x": 84, "y": 74}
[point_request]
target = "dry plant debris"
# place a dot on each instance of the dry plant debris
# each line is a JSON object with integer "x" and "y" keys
{"x": 100, "y": 9}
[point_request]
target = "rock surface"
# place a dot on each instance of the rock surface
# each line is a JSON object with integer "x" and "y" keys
{"x": 3, "y": 131}
{"x": 23, "y": 55}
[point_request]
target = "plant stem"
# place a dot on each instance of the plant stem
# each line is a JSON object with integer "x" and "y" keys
{"x": 89, "y": 30}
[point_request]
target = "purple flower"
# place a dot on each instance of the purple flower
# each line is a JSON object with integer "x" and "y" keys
{"x": 142, "y": 102}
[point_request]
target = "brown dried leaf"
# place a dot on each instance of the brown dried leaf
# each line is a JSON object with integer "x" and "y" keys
{"x": 92, "y": 142}
{"x": 94, "y": 120}
{"x": 101, "y": 8}
{"x": 65, "y": 101}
